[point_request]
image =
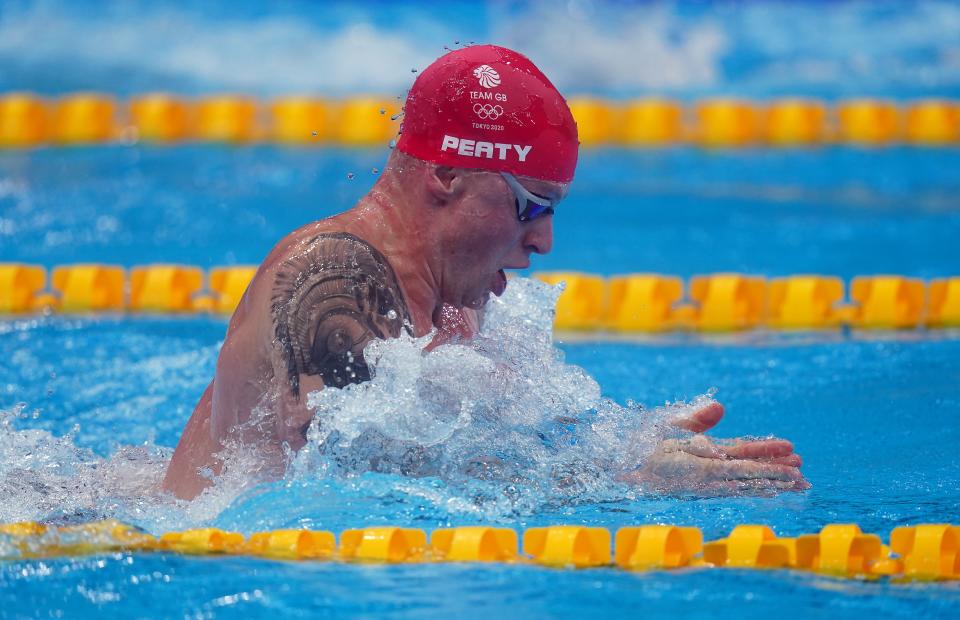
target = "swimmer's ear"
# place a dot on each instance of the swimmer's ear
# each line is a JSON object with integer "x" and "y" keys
{"x": 445, "y": 183}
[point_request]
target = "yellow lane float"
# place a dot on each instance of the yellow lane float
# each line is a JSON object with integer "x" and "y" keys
{"x": 886, "y": 301}
{"x": 383, "y": 544}
{"x": 842, "y": 549}
{"x": 643, "y": 302}
{"x": 726, "y": 123}
{"x": 929, "y": 551}
{"x": 582, "y": 304}
{"x": 158, "y": 117}
{"x": 164, "y": 288}
{"x": 89, "y": 288}
{"x": 228, "y": 285}
{"x": 651, "y": 547}
{"x": 596, "y": 120}
{"x": 932, "y": 122}
{"x": 568, "y": 545}
{"x": 868, "y": 122}
{"x": 728, "y": 301}
{"x": 20, "y": 286}
{"x": 651, "y": 122}
{"x": 84, "y": 118}
{"x": 300, "y": 120}
{"x": 804, "y": 302}
{"x": 367, "y": 121}
{"x": 202, "y": 541}
{"x": 751, "y": 546}
{"x": 944, "y": 308}
{"x": 292, "y": 545}
{"x": 227, "y": 118}
{"x": 474, "y": 544}
{"x": 794, "y": 122}
{"x": 23, "y": 120}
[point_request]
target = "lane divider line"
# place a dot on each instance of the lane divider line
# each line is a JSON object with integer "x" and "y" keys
{"x": 29, "y": 120}
{"x": 928, "y": 552}
{"x": 590, "y": 303}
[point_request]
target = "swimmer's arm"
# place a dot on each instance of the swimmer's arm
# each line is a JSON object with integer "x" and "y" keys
{"x": 327, "y": 303}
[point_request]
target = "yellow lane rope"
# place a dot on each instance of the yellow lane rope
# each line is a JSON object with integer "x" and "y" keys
{"x": 929, "y": 552}
{"x": 28, "y": 120}
{"x": 632, "y": 303}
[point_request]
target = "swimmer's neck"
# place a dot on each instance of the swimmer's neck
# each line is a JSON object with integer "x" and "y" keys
{"x": 393, "y": 223}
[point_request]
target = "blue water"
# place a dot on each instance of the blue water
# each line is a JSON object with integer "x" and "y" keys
{"x": 91, "y": 407}
{"x": 838, "y": 211}
{"x": 872, "y": 415}
{"x": 873, "y": 419}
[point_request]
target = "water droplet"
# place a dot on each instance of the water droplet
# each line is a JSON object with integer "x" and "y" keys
{"x": 383, "y": 111}
{"x": 396, "y": 116}
{"x": 350, "y": 176}
{"x": 314, "y": 134}
{"x": 456, "y": 42}
{"x": 375, "y": 170}
{"x": 393, "y": 144}
{"x": 413, "y": 70}
{"x": 392, "y": 314}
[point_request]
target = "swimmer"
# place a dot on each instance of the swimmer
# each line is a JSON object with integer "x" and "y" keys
{"x": 486, "y": 153}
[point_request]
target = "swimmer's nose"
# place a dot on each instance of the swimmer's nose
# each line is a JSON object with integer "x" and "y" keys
{"x": 538, "y": 236}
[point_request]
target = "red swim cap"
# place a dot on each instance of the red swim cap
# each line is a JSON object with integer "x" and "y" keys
{"x": 489, "y": 107}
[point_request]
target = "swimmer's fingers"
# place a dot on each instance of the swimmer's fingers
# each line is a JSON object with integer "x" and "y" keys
{"x": 699, "y": 446}
{"x": 791, "y": 460}
{"x": 738, "y": 487}
{"x": 701, "y": 420}
{"x": 758, "y": 449}
{"x": 739, "y": 469}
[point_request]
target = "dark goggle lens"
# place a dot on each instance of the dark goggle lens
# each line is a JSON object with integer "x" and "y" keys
{"x": 532, "y": 210}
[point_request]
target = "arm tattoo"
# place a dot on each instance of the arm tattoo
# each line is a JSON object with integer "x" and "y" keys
{"x": 328, "y": 302}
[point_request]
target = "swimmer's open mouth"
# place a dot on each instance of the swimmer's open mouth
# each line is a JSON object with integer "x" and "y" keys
{"x": 500, "y": 284}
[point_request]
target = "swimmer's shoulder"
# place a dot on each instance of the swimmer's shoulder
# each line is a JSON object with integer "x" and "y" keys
{"x": 330, "y": 293}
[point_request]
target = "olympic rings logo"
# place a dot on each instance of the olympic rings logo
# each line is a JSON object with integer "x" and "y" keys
{"x": 487, "y": 111}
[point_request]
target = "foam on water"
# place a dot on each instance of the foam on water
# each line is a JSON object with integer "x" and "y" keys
{"x": 494, "y": 427}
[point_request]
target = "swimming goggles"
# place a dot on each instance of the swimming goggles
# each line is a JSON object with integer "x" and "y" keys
{"x": 529, "y": 205}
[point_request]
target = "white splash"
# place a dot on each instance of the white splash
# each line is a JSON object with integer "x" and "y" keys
{"x": 504, "y": 408}
{"x": 495, "y": 427}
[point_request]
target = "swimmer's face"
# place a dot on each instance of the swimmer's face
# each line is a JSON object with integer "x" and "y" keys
{"x": 489, "y": 237}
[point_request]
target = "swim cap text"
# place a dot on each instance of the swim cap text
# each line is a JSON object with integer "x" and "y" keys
{"x": 490, "y": 150}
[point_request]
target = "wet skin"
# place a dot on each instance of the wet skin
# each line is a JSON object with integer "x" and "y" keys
{"x": 423, "y": 250}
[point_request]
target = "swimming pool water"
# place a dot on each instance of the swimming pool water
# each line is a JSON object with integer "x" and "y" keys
{"x": 873, "y": 415}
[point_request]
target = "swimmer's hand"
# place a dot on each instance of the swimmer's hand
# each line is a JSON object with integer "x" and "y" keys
{"x": 712, "y": 467}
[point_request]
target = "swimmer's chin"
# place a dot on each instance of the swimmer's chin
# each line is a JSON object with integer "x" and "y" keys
{"x": 478, "y": 303}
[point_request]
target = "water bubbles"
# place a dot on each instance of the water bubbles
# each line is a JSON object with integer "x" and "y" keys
{"x": 383, "y": 111}
{"x": 393, "y": 144}
{"x": 396, "y": 116}
{"x": 374, "y": 171}
{"x": 350, "y": 176}
{"x": 484, "y": 412}
{"x": 413, "y": 70}
{"x": 314, "y": 134}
